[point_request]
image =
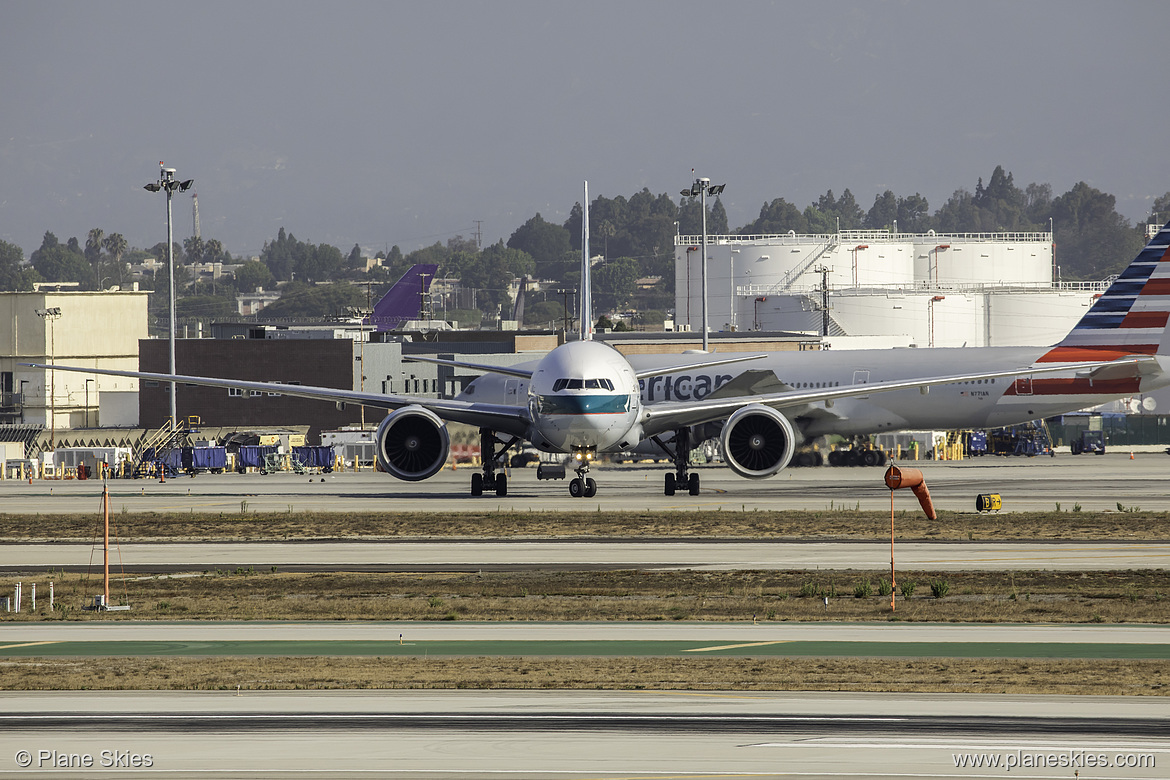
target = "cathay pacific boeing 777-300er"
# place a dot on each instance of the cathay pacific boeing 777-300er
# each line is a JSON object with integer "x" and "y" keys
{"x": 584, "y": 397}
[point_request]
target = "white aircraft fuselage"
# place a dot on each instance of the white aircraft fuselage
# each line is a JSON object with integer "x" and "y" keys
{"x": 978, "y": 403}
{"x": 582, "y": 395}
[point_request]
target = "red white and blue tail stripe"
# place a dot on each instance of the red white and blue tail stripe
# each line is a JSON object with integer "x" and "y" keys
{"x": 1130, "y": 317}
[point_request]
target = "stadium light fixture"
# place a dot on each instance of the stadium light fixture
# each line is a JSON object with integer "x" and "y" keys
{"x": 700, "y": 188}
{"x": 168, "y": 183}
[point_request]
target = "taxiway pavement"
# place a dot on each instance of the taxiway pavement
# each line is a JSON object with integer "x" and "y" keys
{"x": 1092, "y": 482}
{"x": 499, "y": 555}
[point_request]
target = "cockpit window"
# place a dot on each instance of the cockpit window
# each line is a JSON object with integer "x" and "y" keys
{"x": 582, "y": 384}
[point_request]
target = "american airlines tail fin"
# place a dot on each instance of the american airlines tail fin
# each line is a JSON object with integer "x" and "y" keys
{"x": 586, "y": 296}
{"x": 1130, "y": 317}
{"x": 403, "y": 301}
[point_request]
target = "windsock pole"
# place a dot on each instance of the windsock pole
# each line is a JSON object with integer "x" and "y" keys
{"x": 897, "y": 477}
{"x": 893, "y": 579}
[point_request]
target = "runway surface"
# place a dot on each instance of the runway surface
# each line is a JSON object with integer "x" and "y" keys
{"x": 578, "y": 555}
{"x": 390, "y": 639}
{"x": 574, "y": 735}
{"x": 1094, "y": 482}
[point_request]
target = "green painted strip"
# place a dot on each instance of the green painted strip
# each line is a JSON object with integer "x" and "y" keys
{"x": 616, "y": 648}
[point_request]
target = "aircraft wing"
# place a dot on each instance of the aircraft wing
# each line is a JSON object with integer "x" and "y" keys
{"x": 668, "y": 415}
{"x": 513, "y": 420}
{"x": 523, "y": 373}
{"x": 526, "y": 373}
{"x": 645, "y": 373}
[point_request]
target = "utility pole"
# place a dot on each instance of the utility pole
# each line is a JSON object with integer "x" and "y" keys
{"x": 363, "y": 314}
{"x": 824, "y": 272}
{"x": 565, "y": 304}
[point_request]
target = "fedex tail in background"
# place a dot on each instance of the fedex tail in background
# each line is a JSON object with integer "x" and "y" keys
{"x": 403, "y": 302}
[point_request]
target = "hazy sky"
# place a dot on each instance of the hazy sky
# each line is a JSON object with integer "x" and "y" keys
{"x": 384, "y": 123}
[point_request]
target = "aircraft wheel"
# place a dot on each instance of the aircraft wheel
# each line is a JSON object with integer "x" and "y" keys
{"x": 502, "y": 485}
{"x": 477, "y": 484}
{"x": 590, "y": 487}
{"x": 693, "y": 485}
{"x": 576, "y": 487}
{"x": 669, "y": 489}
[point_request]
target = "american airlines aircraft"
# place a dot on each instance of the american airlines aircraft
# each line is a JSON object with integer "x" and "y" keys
{"x": 585, "y": 398}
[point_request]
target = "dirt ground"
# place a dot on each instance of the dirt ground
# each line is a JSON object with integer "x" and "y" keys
{"x": 1055, "y": 676}
{"x": 969, "y": 597}
{"x": 824, "y": 524}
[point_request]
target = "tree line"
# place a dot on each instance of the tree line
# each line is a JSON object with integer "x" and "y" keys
{"x": 633, "y": 237}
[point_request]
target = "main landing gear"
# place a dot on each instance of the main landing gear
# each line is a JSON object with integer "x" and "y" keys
{"x": 582, "y": 486}
{"x": 680, "y": 453}
{"x": 491, "y": 457}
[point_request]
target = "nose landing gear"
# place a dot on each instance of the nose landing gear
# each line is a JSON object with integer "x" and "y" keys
{"x": 582, "y": 486}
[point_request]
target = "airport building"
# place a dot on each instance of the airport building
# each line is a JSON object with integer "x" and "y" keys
{"x": 99, "y": 329}
{"x": 877, "y": 289}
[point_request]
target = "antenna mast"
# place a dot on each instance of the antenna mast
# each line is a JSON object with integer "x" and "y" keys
{"x": 195, "y": 212}
{"x": 585, "y": 324}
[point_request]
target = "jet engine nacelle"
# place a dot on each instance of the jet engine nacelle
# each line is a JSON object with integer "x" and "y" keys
{"x": 757, "y": 441}
{"x": 412, "y": 443}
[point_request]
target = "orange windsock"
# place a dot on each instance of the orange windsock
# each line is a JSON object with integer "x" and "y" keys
{"x": 897, "y": 477}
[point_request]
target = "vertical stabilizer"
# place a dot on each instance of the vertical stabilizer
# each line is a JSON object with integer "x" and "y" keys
{"x": 586, "y": 296}
{"x": 403, "y": 302}
{"x": 1129, "y": 318}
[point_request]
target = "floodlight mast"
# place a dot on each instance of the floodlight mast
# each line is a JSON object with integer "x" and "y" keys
{"x": 168, "y": 182}
{"x": 51, "y": 315}
{"x": 700, "y": 187}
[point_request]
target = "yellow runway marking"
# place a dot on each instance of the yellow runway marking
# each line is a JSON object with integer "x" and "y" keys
{"x": 28, "y": 644}
{"x": 735, "y": 647}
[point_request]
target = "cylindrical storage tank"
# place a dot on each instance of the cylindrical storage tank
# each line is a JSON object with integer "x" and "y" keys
{"x": 954, "y": 320}
{"x": 1034, "y": 319}
{"x": 879, "y": 315}
{"x": 960, "y": 260}
{"x": 885, "y": 263}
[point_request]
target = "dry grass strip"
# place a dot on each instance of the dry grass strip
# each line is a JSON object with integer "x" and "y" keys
{"x": 971, "y": 597}
{"x": 727, "y": 522}
{"x": 1102, "y": 677}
